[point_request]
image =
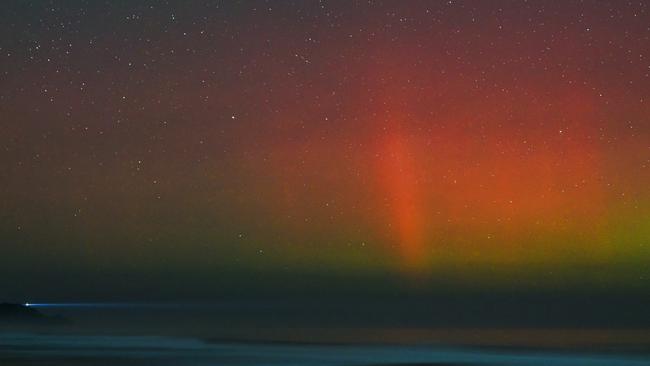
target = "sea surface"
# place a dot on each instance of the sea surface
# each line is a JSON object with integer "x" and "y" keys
{"x": 276, "y": 334}
{"x": 22, "y": 349}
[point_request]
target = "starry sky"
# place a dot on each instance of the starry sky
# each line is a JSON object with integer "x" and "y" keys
{"x": 492, "y": 143}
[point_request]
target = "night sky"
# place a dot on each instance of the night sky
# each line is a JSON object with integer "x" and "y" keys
{"x": 188, "y": 147}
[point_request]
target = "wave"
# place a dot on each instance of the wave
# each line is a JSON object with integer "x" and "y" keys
{"x": 22, "y": 349}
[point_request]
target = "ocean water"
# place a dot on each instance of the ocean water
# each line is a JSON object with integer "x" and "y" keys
{"x": 21, "y": 349}
{"x": 276, "y": 334}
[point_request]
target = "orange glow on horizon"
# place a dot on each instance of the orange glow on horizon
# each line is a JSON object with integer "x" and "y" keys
{"x": 399, "y": 175}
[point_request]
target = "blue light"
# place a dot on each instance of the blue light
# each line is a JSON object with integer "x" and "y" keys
{"x": 106, "y": 305}
{"x": 74, "y": 305}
